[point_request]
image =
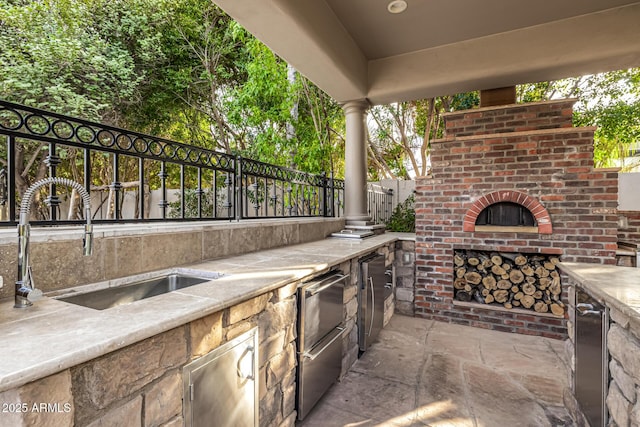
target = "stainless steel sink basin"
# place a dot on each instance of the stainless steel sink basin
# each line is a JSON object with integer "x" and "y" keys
{"x": 115, "y": 296}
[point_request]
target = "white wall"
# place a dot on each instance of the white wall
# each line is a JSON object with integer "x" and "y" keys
{"x": 401, "y": 189}
{"x": 629, "y": 191}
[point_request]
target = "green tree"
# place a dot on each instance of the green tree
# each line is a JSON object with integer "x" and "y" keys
{"x": 610, "y": 101}
{"x": 400, "y": 134}
{"x": 51, "y": 59}
{"x": 286, "y": 119}
{"x": 618, "y": 133}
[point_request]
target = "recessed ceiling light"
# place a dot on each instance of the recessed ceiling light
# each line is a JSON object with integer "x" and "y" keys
{"x": 397, "y": 6}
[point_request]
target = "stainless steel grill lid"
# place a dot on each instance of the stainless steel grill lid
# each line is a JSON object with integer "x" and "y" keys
{"x": 353, "y": 234}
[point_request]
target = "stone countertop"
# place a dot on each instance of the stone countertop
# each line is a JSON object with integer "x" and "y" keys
{"x": 54, "y": 335}
{"x": 614, "y": 286}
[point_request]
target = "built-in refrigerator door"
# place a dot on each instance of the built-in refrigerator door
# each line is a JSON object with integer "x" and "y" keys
{"x": 371, "y": 300}
{"x": 220, "y": 389}
{"x": 591, "y": 377}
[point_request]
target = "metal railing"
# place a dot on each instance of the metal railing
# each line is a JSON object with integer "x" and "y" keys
{"x": 380, "y": 203}
{"x": 133, "y": 177}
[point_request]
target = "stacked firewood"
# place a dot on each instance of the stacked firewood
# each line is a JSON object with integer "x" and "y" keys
{"x": 509, "y": 279}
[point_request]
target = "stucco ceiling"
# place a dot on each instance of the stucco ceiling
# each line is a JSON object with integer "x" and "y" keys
{"x": 356, "y": 49}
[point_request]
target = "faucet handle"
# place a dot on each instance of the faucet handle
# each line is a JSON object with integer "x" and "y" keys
{"x": 87, "y": 242}
{"x": 34, "y": 295}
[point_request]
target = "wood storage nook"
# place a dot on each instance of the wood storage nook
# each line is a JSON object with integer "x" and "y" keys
{"x": 509, "y": 280}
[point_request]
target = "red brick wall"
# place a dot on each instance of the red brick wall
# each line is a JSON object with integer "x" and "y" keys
{"x": 553, "y": 166}
{"x": 510, "y": 118}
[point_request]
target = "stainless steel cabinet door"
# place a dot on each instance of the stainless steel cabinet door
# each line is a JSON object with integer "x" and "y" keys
{"x": 220, "y": 389}
{"x": 591, "y": 378}
{"x": 371, "y": 300}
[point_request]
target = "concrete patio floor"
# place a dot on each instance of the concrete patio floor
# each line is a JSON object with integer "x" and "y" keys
{"x": 426, "y": 373}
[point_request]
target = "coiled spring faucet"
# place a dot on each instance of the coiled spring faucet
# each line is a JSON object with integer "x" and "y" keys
{"x": 26, "y": 293}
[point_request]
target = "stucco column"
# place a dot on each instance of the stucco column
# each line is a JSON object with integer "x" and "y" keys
{"x": 355, "y": 174}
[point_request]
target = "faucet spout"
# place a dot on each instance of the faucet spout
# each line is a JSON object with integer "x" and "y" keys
{"x": 26, "y": 293}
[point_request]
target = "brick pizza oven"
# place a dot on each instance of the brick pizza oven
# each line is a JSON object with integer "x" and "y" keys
{"x": 513, "y": 191}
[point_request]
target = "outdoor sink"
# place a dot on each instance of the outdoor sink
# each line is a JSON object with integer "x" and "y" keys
{"x": 150, "y": 287}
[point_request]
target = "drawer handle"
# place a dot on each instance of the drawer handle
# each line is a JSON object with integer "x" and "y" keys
{"x": 312, "y": 356}
{"x": 241, "y": 367}
{"x": 585, "y": 309}
{"x": 312, "y": 292}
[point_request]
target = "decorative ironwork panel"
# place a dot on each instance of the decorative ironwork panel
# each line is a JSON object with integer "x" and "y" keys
{"x": 133, "y": 177}
{"x": 34, "y": 124}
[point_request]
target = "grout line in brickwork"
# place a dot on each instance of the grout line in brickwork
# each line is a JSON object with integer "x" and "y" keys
{"x": 550, "y": 102}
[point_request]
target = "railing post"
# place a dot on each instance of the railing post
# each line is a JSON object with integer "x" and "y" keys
{"x": 116, "y": 186}
{"x": 239, "y": 189}
{"x": 214, "y": 184}
{"x": 87, "y": 173}
{"x": 52, "y": 161}
{"x": 183, "y": 196}
{"x": 199, "y": 193}
{"x": 335, "y": 198}
{"x": 163, "y": 175}
{"x": 325, "y": 212}
{"x": 141, "y": 188}
{"x": 3, "y": 192}
{"x": 389, "y": 205}
{"x": 11, "y": 181}
{"x": 230, "y": 185}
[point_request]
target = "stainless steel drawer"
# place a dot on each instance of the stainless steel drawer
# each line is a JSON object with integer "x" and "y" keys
{"x": 321, "y": 308}
{"x": 319, "y": 368}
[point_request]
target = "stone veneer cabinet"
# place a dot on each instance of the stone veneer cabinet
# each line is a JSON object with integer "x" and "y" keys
{"x": 140, "y": 384}
{"x": 618, "y": 288}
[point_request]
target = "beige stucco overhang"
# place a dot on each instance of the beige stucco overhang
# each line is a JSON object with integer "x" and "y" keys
{"x": 356, "y": 50}
{"x": 572, "y": 47}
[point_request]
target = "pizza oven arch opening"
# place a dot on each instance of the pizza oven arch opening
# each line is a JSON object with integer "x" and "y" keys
{"x": 507, "y": 211}
{"x": 506, "y": 214}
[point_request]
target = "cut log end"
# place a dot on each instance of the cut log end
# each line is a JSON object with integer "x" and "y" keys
{"x": 473, "y": 278}
{"x": 557, "y": 309}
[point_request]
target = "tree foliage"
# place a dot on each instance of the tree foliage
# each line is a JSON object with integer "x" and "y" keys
{"x": 51, "y": 59}
{"x": 610, "y": 101}
{"x": 400, "y": 134}
{"x": 180, "y": 69}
